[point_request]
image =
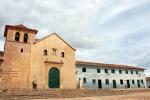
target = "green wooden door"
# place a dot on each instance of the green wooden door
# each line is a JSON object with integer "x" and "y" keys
{"x": 53, "y": 78}
{"x": 114, "y": 84}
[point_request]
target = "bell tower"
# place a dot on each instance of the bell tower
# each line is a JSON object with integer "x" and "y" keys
{"x": 19, "y": 33}
{"x": 17, "y": 52}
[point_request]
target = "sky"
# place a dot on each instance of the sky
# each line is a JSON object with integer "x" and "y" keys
{"x": 105, "y": 31}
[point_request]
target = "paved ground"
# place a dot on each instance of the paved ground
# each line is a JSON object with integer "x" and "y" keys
{"x": 59, "y": 94}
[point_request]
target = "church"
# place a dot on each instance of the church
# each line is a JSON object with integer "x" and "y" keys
{"x": 30, "y": 63}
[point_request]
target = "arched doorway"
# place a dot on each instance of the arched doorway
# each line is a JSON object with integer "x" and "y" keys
{"x": 53, "y": 81}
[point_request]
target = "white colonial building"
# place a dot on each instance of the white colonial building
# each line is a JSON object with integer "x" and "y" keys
{"x": 107, "y": 76}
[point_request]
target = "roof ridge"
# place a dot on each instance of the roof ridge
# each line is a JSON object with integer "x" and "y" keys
{"x": 102, "y": 63}
{"x": 57, "y": 36}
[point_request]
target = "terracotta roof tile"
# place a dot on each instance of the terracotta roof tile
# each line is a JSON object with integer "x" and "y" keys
{"x": 107, "y": 65}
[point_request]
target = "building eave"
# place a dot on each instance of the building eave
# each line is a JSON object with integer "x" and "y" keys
{"x": 93, "y": 64}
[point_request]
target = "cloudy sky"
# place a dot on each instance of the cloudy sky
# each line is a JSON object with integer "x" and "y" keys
{"x": 107, "y": 31}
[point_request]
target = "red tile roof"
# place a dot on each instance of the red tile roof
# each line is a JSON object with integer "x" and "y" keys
{"x": 147, "y": 78}
{"x": 19, "y": 27}
{"x": 107, "y": 65}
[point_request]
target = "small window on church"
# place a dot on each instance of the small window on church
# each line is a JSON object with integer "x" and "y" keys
{"x": 25, "y": 37}
{"x": 17, "y": 36}
{"x": 45, "y": 52}
{"x": 21, "y": 50}
{"x": 54, "y": 51}
{"x": 62, "y": 54}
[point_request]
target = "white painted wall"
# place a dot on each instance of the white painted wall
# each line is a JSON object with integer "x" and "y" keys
{"x": 91, "y": 73}
{"x": 148, "y": 84}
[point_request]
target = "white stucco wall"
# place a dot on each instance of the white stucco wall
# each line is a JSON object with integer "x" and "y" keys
{"x": 148, "y": 84}
{"x": 91, "y": 73}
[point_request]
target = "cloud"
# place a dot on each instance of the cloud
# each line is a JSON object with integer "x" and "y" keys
{"x": 115, "y": 31}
